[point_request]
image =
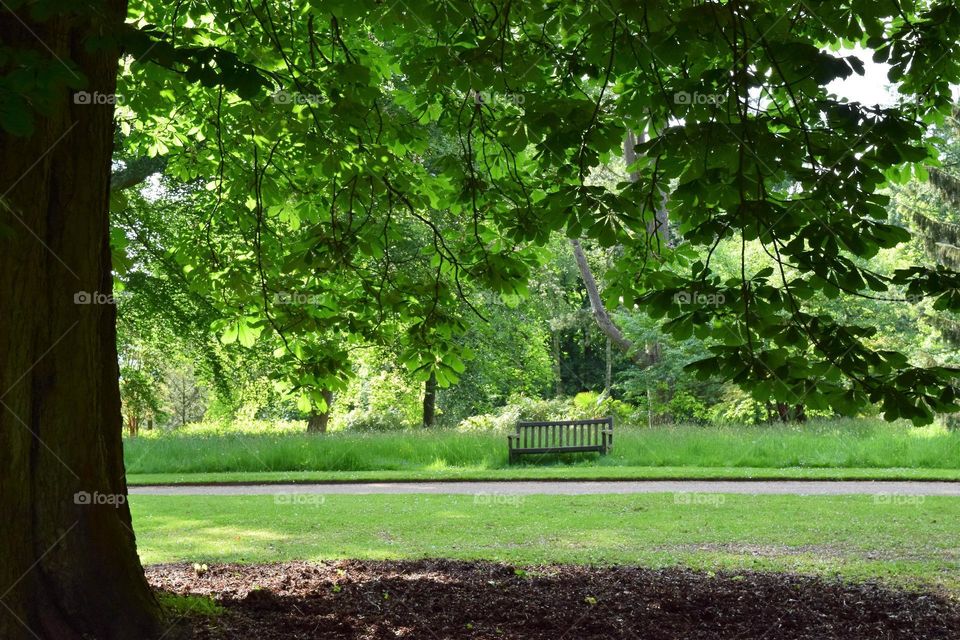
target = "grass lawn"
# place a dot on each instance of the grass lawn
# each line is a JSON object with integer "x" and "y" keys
{"x": 840, "y": 449}
{"x": 911, "y": 542}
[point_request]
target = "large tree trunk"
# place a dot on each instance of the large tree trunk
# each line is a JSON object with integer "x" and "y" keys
{"x": 430, "y": 401}
{"x": 69, "y": 566}
{"x": 320, "y": 420}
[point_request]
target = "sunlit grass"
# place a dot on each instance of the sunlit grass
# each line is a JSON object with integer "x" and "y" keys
{"x": 840, "y": 444}
{"x": 911, "y": 542}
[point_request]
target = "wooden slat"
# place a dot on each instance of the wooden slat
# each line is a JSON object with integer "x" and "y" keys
{"x": 559, "y": 436}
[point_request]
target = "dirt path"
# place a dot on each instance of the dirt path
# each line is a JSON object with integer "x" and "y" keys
{"x": 527, "y": 487}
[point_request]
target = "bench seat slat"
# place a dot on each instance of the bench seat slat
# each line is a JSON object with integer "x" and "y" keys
{"x": 558, "y": 449}
{"x": 561, "y": 436}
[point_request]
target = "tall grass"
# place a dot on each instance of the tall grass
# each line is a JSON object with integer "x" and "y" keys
{"x": 865, "y": 443}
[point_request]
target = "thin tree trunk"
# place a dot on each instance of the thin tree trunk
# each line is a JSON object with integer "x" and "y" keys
{"x": 69, "y": 565}
{"x": 659, "y": 226}
{"x": 604, "y": 321}
{"x": 608, "y": 378}
{"x": 430, "y": 401}
{"x": 800, "y": 413}
{"x": 320, "y": 420}
{"x": 649, "y": 406}
{"x": 557, "y": 363}
{"x": 658, "y": 229}
{"x": 783, "y": 411}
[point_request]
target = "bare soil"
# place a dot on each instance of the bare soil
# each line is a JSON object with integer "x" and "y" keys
{"x": 444, "y": 599}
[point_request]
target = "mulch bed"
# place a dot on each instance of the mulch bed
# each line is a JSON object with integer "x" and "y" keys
{"x": 441, "y": 599}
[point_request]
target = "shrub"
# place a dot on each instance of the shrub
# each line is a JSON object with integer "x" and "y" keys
{"x": 380, "y": 420}
{"x": 736, "y": 405}
{"x": 582, "y": 406}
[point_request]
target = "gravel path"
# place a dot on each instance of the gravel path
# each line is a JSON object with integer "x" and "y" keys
{"x": 526, "y": 487}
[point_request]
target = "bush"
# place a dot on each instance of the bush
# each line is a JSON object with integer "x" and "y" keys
{"x": 685, "y": 407}
{"x": 518, "y": 408}
{"x": 738, "y": 406}
{"x": 380, "y": 420}
{"x": 582, "y": 406}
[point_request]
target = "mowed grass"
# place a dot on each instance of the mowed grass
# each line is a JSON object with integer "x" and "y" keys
{"x": 912, "y": 541}
{"x": 840, "y": 444}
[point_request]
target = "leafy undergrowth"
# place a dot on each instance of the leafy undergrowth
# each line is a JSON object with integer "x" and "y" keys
{"x": 478, "y": 600}
{"x": 181, "y": 605}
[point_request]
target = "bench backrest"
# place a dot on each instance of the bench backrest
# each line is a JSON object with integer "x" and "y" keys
{"x": 563, "y": 433}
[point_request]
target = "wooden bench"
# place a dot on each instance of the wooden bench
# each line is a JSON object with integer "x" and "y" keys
{"x": 563, "y": 436}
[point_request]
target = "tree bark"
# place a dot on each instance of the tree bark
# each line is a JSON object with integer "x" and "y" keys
{"x": 320, "y": 420}
{"x": 430, "y": 401}
{"x": 658, "y": 229}
{"x": 70, "y": 568}
{"x": 557, "y": 362}
{"x": 136, "y": 171}
{"x": 133, "y": 425}
{"x": 608, "y": 374}
{"x": 604, "y": 321}
{"x": 659, "y": 226}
